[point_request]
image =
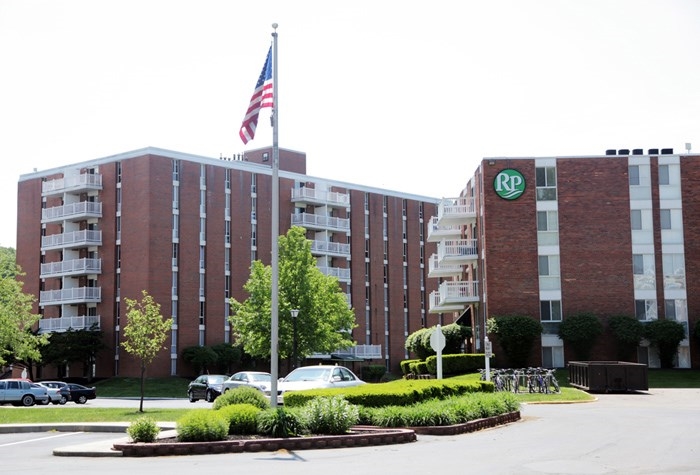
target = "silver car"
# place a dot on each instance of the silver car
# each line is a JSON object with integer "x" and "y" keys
{"x": 256, "y": 379}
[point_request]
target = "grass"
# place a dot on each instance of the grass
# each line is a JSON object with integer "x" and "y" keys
{"x": 177, "y": 388}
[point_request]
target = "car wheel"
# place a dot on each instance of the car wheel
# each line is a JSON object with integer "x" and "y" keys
{"x": 191, "y": 397}
{"x": 45, "y": 403}
{"x": 81, "y": 400}
{"x": 63, "y": 400}
{"x": 27, "y": 400}
{"x": 209, "y": 396}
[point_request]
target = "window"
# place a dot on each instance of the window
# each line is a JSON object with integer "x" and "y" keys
{"x": 633, "y": 172}
{"x": 549, "y": 265}
{"x": 546, "y": 178}
{"x": 645, "y": 310}
{"x": 547, "y": 221}
{"x": 636, "y": 219}
{"x": 638, "y": 264}
{"x": 663, "y": 175}
{"x": 665, "y": 218}
{"x": 550, "y": 310}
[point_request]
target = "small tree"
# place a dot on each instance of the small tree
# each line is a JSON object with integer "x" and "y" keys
{"x": 145, "y": 333}
{"x": 200, "y": 357}
{"x": 628, "y": 333}
{"x": 665, "y": 335}
{"x": 581, "y": 331}
{"x": 516, "y": 335}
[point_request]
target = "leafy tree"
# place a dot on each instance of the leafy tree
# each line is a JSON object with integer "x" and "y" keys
{"x": 74, "y": 346}
{"x": 227, "y": 355}
{"x": 581, "y": 331}
{"x": 145, "y": 332}
{"x": 418, "y": 342}
{"x": 516, "y": 334}
{"x": 666, "y": 335}
{"x": 200, "y": 357}
{"x": 17, "y": 340}
{"x": 628, "y": 333}
{"x": 324, "y": 321}
{"x": 8, "y": 262}
{"x": 414, "y": 344}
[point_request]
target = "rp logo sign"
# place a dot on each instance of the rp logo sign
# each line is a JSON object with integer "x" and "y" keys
{"x": 509, "y": 184}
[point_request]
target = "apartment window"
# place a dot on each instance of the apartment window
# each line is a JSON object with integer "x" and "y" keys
{"x": 550, "y": 310}
{"x": 549, "y": 265}
{"x": 119, "y": 172}
{"x": 546, "y": 179}
{"x": 637, "y": 264}
{"x": 227, "y": 182}
{"x": 633, "y": 172}
{"x": 663, "y": 175}
{"x": 176, "y": 170}
{"x": 547, "y": 221}
{"x": 645, "y": 310}
{"x": 665, "y": 218}
{"x": 636, "y": 219}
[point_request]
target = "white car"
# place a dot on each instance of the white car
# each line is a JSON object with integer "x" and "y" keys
{"x": 55, "y": 396}
{"x": 256, "y": 379}
{"x": 317, "y": 377}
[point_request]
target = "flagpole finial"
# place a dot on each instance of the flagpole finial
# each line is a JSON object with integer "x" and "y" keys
{"x": 274, "y": 25}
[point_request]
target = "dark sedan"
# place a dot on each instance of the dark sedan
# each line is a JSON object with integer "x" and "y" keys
{"x": 206, "y": 386}
{"x": 78, "y": 393}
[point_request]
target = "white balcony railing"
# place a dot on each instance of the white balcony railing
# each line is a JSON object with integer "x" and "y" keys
{"x": 70, "y": 296}
{"x": 330, "y": 248}
{"x": 456, "y": 211}
{"x": 71, "y": 267}
{"x": 72, "y": 239}
{"x": 81, "y": 210}
{"x": 57, "y": 325}
{"x": 368, "y": 352}
{"x": 437, "y": 233}
{"x": 84, "y": 181}
{"x": 457, "y": 251}
{"x": 323, "y": 197}
{"x": 318, "y": 221}
{"x": 342, "y": 274}
{"x": 436, "y": 268}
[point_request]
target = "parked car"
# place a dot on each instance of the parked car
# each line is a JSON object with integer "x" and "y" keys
{"x": 54, "y": 389}
{"x": 206, "y": 386}
{"x": 19, "y": 392}
{"x": 78, "y": 393}
{"x": 256, "y": 379}
{"x": 316, "y": 377}
{"x": 41, "y": 394}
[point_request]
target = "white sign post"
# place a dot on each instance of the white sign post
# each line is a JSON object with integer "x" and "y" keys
{"x": 437, "y": 343}
{"x": 487, "y": 357}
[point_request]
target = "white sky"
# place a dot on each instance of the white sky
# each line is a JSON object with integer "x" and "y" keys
{"x": 400, "y": 94}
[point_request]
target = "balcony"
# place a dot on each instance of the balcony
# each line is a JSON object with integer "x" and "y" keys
{"x": 72, "y": 212}
{"x": 458, "y": 251}
{"x": 437, "y": 233}
{"x": 364, "y": 352}
{"x": 456, "y": 211}
{"x": 327, "y": 248}
{"x": 320, "y": 222}
{"x": 71, "y": 267}
{"x": 72, "y": 184}
{"x": 442, "y": 269}
{"x": 320, "y": 197}
{"x": 58, "y": 325}
{"x": 342, "y": 274}
{"x": 71, "y": 240}
{"x": 453, "y": 296}
{"x": 75, "y": 295}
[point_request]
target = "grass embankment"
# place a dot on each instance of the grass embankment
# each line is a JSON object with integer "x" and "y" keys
{"x": 177, "y": 388}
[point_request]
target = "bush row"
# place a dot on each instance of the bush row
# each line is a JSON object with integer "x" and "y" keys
{"x": 453, "y": 364}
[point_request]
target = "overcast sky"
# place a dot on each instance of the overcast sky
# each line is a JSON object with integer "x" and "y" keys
{"x": 399, "y": 94}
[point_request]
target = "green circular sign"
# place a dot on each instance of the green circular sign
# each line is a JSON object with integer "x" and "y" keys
{"x": 509, "y": 184}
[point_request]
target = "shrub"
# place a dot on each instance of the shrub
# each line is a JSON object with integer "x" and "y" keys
{"x": 242, "y": 395}
{"x": 666, "y": 335}
{"x": 242, "y": 418}
{"x": 373, "y": 373}
{"x": 202, "y": 426}
{"x": 406, "y": 366}
{"x": 627, "y": 332}
{"x": 581, "y": 331}
{"x": 329, "y": 415}
{"x": 516, "y": 335}
{"x": 143, "y": 429}
{"x": 279, "y": 423}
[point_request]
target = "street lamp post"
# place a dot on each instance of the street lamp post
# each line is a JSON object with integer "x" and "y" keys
{"x": 294, "y": 313}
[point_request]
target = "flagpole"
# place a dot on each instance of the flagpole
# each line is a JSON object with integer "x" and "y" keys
{"x": 274, "y": 333}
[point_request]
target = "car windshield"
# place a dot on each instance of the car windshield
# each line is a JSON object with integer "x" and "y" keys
{"x": 216, "y": 379}
{"x": 260, "y": 377}
{"x": 308, "y": 374}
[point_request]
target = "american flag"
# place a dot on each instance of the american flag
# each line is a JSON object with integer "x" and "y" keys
{"x": 262, "y": 97}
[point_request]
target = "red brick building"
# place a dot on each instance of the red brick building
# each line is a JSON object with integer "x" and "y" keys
{"x": 186, "y": 228}
{"x": 614, "y": 234}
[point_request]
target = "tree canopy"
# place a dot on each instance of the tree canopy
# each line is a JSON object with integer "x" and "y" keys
{"x": 324, "y": 321}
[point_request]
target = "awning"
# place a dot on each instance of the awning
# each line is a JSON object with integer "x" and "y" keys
{"x": 345, "y": 357}
{"x": 465, "y": 318}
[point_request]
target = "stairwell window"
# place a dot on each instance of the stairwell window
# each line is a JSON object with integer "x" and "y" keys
{"x": 546, "y": 179}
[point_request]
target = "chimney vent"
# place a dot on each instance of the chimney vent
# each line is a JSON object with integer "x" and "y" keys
{"x": 610, "y": 151}
{"x": 666, "y": 151}
{"x": 653, "y": 151}
{"x": 623, "y": 151}
{"x": 637, "y": 151}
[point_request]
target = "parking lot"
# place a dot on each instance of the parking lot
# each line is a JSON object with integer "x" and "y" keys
{"x": 650, "y": 432}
